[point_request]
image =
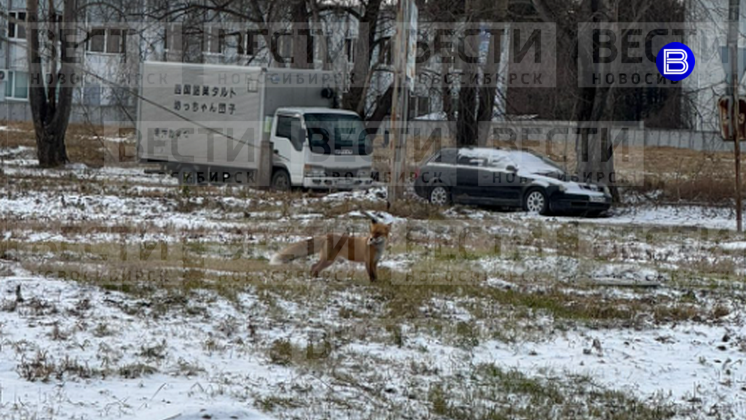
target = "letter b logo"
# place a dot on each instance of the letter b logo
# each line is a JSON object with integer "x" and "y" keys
{"x": 675, "y": 61}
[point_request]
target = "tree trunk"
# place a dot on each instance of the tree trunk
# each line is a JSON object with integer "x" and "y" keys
{"x": 382, "y": 107}
{"x": 466, "y": 121}
{"x": 51, "y": 103}
{"x": 354, "y": 98}
{"x": 445, "y": 91}
{"x": 446, "y": 79}
{"x": 488, "y": 90}
{"x": 594, "y": 145}
{"x": 302, "y": 41}
{"x": 319, "y": 35}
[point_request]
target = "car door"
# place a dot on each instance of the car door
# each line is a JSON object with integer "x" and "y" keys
{"x": 288, "y": 139}
{"x": 490, "y": 183}
{"x": 501, "y": 182}
{"x": 467, "y": 186}
{"x": 437, "y": 169}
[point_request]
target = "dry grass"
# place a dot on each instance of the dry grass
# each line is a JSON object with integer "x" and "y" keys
{"x": 85, "y": 143}
{"x": 516, "y": 395}
{"x": 181, "y": 268}
{"x": 661, "y": 174}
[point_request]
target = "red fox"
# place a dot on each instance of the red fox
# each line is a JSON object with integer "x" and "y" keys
{"x": 367, "y": 250}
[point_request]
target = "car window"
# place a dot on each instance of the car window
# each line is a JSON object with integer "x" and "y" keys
{"x": 534, "y": 163}
{"x": 448, "y": 156}
{"x": 500, "y": 162}
{"x": 471, "y": 160}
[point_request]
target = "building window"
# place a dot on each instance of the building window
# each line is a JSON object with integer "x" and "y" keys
{"x": 423, "y": 105}
{"x": 172, "y": 37}
{"x": 110, "y": 41}
{"x": 16, "y": 85}
{"x": 350, "y": 49}
{"x": 252, "y": 42}
{"x": 97, "y": 40}
{"x": 214, "y": 41}
{"x": 115, "y": 41}
{"x": 17, "y": 25}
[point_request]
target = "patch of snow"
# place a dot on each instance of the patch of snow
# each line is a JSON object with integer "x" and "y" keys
{"x": 734, "y": 246}
{"x": 120, "y": 139}
{"x": 435, "y": 116}
{"x": 6, "y": 128}
{"x": 217, "y": 385}
{"x": 371, "y": 194}
{"x": 682, "y": 361}
{"x": 78, "y": 166}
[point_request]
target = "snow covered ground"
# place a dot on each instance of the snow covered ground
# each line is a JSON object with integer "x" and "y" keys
{"x": 66, "y": 348}
{"x": 124, "y": 295}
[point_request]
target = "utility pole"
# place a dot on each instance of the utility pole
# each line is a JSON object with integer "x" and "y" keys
{"x": 733, "y": 32}
{"x": 397, "y": 145}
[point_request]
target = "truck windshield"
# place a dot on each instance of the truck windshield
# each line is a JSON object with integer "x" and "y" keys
{"x": 338, "y": 134}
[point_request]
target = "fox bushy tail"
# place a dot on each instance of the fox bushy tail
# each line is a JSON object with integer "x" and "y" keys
{"x": 298, "y": 250}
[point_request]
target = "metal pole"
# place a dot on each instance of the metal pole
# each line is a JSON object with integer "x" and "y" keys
{"x": 733, "y": 21}
{"x": 401, "y": 154}
{"x": 404, "y": 89}
{"x": 399, "y": 63}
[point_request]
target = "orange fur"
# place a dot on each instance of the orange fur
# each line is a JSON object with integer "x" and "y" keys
{"x": 366, "y": 250}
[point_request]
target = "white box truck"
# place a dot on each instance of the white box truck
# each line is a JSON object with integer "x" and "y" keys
{"x": 254, "y": 125}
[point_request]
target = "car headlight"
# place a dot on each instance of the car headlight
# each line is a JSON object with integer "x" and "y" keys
{"x": 313, "y": 171}
{"x": 607, "y": 191}
{"x": 562, "y": 188}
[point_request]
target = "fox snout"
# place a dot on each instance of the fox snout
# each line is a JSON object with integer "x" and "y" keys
{"x": 375, "y": 240}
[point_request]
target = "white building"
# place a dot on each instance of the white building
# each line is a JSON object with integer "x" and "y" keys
{"x": 709, "y": 20}
{"x": 112, "y": 53}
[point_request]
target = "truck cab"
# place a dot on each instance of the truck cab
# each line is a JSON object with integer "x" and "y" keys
{"x": 319, "y": 148}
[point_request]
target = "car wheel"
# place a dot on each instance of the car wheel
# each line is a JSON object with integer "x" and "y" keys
{"x": 281, "y": 180}
{"x": 536, "y": 201}
{"x": 440, "y": 196}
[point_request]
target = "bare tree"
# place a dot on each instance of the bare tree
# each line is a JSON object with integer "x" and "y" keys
{"x": 51, "y": 43}
{"x": 302, "y": 40}
{"x": 477, "y": 82}
{"x": 592, "y": 104}
{"x": 466, "y": 120}
{"x": 595, "y": 153}
{"x": 488, "y": 89}
{"x": 368, "y": 21}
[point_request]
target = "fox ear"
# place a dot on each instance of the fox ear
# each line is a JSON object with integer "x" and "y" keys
{"x": 373, "y": 219}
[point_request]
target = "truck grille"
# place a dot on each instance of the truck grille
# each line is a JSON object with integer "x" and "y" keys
{"x": 340, "y": 173}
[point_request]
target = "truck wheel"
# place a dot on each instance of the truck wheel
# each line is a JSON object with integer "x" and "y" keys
{"x": 186, "y": 175}
{"x": 281, "y": 180}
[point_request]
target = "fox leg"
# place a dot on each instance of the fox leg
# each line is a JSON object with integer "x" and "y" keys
{"x": 371, "y": 268}
{"x": 321, "y": 265}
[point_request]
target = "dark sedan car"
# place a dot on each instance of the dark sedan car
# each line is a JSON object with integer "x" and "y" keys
{"x": 506, "y": 178}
